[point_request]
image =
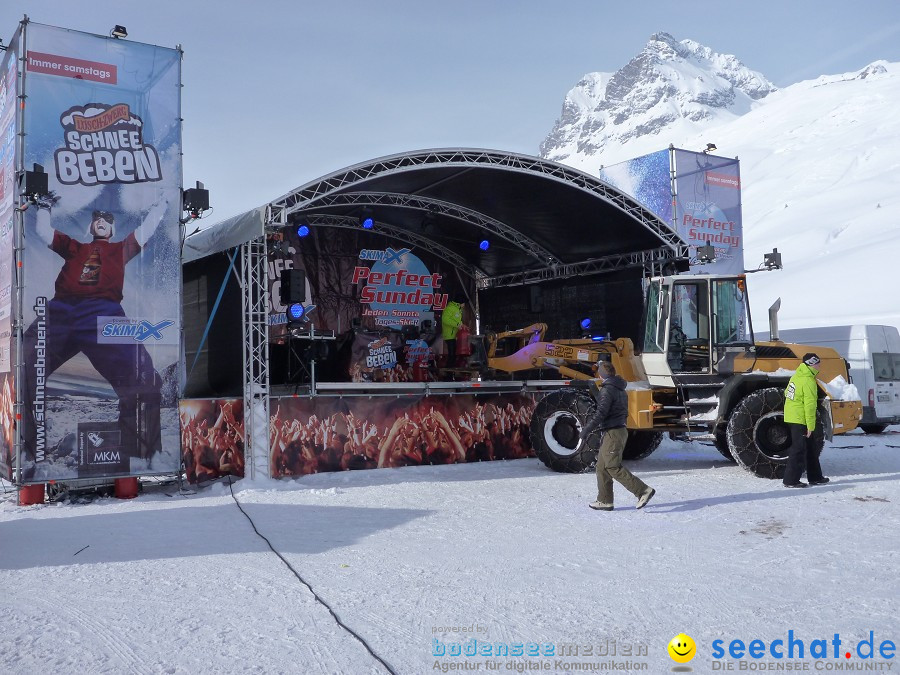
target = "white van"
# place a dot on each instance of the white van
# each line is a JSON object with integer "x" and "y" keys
{"x": 874, "y": 356}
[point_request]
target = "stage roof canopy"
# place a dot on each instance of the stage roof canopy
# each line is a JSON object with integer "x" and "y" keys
{"x": 542, "y": 220}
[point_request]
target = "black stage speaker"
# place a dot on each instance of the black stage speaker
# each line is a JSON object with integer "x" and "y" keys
{"x": 293, "y": 286}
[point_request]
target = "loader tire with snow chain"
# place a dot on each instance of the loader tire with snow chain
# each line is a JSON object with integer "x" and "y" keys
{"x": 759, "y": 437}
{"x": 555, "y": 427}
{"x": 721, "y": 443}
{"x": 641, "y": 443}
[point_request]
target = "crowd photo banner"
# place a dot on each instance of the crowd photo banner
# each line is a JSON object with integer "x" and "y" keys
{"x": 8, "y": 163}
{"x": 327, "y": 433}
{"x": 102, "y": 267}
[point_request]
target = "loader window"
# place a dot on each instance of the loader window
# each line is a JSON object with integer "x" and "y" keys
{"x": 730, "y": 309}
{"x": 689, "y": 330}
{"x": 655, "y": 325}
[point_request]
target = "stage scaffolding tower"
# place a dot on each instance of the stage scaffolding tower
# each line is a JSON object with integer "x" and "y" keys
{"x": 256, "y": 357}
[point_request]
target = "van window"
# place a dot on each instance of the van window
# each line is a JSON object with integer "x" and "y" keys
{"x": 886, "y": 367}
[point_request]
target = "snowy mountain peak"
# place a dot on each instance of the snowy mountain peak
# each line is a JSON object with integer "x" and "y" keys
{"x": 669, "y": 85}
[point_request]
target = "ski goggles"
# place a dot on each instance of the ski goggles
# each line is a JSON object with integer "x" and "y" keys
{"x": 812, "y": 360}
{"x": 106, "y": 215}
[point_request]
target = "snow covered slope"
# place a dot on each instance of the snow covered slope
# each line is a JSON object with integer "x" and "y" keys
{"x": 820, "y": 167}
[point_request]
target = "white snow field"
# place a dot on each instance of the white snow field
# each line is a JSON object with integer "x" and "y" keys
{"x": 481, "y": 557}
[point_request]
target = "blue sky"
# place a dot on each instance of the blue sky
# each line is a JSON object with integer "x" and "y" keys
{"x": 279, "y": 92}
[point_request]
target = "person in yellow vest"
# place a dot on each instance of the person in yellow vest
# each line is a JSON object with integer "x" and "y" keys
{"x": 801, "y": 398}
{"x": 451, "y": 320}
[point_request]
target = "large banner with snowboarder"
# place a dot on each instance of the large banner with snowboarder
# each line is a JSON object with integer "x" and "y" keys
{"x": 8, "y": 162}
{"x": 102, "y": 272}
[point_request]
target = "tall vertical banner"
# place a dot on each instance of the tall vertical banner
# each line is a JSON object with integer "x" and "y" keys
{"x": 708, "y": 209}
{"x": 8, "y": 91}
{"x": 697, "y": 194}
{"x": 102, "y": 263}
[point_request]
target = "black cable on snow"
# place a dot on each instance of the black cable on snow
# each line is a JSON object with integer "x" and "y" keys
{"x": 304, "y": 582}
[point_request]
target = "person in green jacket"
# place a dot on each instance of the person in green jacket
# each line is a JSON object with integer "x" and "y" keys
{"x": 801, "y": 399}
{"x": 451, "y": 320}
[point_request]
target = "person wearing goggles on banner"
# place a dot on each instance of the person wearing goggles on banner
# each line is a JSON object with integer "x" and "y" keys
{"x": 88, "y": 291}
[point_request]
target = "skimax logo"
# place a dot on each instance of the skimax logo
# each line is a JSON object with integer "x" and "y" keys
{"x": 120, "y": 330}
{"x": 387, "y": 256}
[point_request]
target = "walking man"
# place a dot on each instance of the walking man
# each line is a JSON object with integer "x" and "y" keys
{"x": 610, "y": 417}
{"x": 801, "y": 399}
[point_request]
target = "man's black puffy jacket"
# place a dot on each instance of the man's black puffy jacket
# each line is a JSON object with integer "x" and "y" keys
{"x": 612, "y": 405}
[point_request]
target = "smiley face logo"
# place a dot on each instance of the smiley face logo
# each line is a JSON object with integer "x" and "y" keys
{"x": 682, "y": 648}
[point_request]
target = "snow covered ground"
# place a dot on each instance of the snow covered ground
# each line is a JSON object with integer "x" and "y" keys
{"x": 178, "y": 582}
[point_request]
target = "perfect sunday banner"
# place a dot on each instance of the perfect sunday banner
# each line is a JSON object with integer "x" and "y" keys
{"x": 102, "y": 264}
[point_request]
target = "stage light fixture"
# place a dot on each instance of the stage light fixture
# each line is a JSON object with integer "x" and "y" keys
{"x": 35, "y": 184}
{"x": 295, "y": 311}
{"x": 772, "y": 261}
{"x": 484, "y": 245}
{"x": 368, "y": 223}
{"x": 709, "y": 148}
{"x": 706, "y": 253}
{"x": 586, "y": 323}
{"x": 303, "y": 230}
{"x": 118, "y": 32}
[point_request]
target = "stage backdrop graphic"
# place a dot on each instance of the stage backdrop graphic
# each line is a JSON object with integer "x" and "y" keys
{"x": 368, "y": 287}
{"x": 697, "y": 194}
{"x": 102, "y": 265}
{"x": 8, "y": 92}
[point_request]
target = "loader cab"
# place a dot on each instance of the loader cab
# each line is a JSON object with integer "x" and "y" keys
{"x": 694, "y": 325}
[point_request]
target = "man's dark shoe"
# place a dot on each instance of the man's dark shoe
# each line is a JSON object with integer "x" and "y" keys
{"x": 796, "y": 485}
{"x": 646, "y": 496}
{"x": 821, "y": 481}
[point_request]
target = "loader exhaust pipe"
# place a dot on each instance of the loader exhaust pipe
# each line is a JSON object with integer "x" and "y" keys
{"x": 773, "y": 321}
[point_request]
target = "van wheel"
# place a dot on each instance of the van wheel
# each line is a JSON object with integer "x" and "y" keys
{"x": 759, "y": 437}
{"x": 555, "y": 427}
{"x": 721, "y": 443}
{"x": 873, "y": 428}
{"x": 641, "y": 443}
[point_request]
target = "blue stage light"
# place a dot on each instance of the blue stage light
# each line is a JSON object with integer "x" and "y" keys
{"x": 484, "y": 245}
{"x": 295, "y": 311}
{"x": 367, "y": 223}
{"x": 302, "y": 231}
{"x": 585, "y": 324}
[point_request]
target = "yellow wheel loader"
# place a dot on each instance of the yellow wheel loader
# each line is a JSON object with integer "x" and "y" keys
{"x": 699, "y": 374}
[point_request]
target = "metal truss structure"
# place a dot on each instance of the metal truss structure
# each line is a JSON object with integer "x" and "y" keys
{"x": 436, "y": 207}
{"x": 337, "y": 189}
{"x": 652, "y": 261}
{"x": 407, "y": 237}
{"x": 255, "y": 324}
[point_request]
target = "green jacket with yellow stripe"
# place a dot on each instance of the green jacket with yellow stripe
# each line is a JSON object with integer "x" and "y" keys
{"x": 801, "y": 397}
